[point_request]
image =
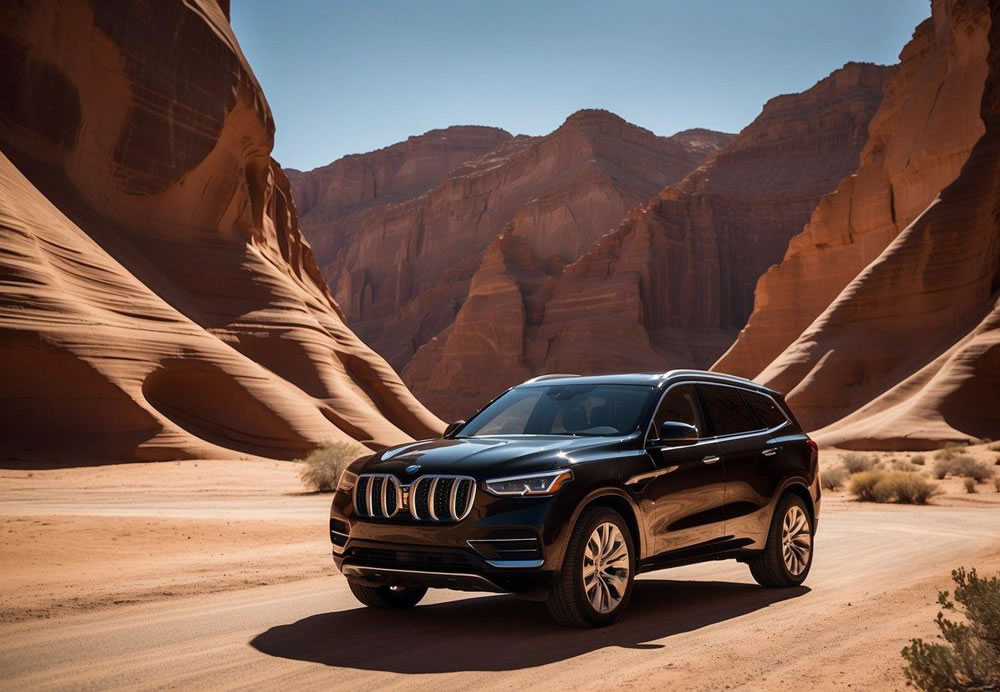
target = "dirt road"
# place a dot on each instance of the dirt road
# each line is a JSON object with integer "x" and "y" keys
{"x": 872, "y": 587}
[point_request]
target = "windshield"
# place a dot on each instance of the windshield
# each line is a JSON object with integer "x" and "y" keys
{"x": 569, "y": 409}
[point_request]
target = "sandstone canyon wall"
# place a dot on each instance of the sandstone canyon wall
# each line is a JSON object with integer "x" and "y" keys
{"x": 671, "y": 285}
{"x": 403, "y": 270}
{"x": 907, "y": 353}
{"x": 157, "y": 299}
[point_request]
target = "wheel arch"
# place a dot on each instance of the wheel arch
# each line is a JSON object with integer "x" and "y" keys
{"x": 621, "y": 502}
{"x": 798, "y": 486}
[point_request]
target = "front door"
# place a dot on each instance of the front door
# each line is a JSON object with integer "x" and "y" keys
{"x": 687, "y": 491}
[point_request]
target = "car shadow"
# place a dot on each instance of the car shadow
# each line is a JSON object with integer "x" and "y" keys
{"x": 497, "y": 633}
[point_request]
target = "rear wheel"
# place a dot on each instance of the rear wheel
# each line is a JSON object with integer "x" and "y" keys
{"x": 388, "y": 597}
{"x": 595, "y": 583}
{"x": 787, "y": 555}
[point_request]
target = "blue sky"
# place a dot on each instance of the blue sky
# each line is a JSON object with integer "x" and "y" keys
{"x": 349, "y": 77}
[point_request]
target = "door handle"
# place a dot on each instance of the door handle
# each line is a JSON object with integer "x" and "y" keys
{"x": 770, "y": 451}
{"x": 710, "y": 459}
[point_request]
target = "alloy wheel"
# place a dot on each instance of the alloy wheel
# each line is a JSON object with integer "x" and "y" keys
{"x": 605, "y": 568}
{"x": 796, "y": 540}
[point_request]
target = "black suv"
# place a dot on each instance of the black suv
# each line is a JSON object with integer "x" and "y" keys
{"x": 564, "y": 488}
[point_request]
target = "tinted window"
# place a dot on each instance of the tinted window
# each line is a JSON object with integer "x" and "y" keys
{"x": 575, "y": 409}
{"x": 767, "y": 412}
{"x": 727, "y": 410}
{"x": 680, "y": 405}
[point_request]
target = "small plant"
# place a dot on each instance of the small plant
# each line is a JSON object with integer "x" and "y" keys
{"x": 324, "y": 465}
{"x": 970, "y": 485}
{"x": 970, "y": 657}
{"x": 856, "y": 463}
{"x": 904, "y": 465}
{"x": 862, "y": 485}
{"x": 942, "y": 466}
{"x": 949, "y": 452}
{"x": 964, "y": 465}
{"x": 897, "y": 486}
{"x": 833, "y": 479}
{"x": 996, "y": 484}
{"x": 918, "y": 459}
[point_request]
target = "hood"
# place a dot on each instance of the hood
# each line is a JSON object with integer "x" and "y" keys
{"x": 492, "y": 456}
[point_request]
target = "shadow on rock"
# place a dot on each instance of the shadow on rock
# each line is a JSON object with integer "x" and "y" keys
{"x": 503, "y": 632}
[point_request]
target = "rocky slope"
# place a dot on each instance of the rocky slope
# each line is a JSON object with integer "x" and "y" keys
{"x": 671, "y": 285}
{"x": 158, "y": 300}
{"x": 919, "y": 139}
{"x": 402, "y": 271}
{"x": 908, "y": 352}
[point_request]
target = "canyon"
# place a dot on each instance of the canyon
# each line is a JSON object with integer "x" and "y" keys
{"x": 560, "y": 283}
{"x": 158, "y": 299}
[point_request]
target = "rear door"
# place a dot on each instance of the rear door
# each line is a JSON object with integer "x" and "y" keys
{"x": 685, "y": 493}
{"x": 745, "y": 424}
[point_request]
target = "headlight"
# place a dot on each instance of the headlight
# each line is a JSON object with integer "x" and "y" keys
{"x": 530, "y": 484}
{"x": 347, "y": 480}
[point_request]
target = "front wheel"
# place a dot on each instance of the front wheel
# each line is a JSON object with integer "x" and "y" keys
{"x": 787, "y": 555}
{"x": 595, "y": 583}
{"x": 388, "y": 597}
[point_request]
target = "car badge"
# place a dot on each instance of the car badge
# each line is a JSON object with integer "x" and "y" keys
{"x": 413, "y": 468}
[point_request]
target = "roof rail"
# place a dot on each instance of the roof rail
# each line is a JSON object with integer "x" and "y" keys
{"x": 709, "y": 373}
{"x": 553, "y": 376}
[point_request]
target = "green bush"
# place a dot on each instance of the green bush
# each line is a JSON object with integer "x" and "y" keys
{"x": 970, "y": 485}
{"x": 324, "y": 465}
{"x": 964, "y": 465}
{"x": 833, "y": 479}
{"x": 970, "y": 657}
{"x": 896, "y": 486}
{"x": 856, "y": 463}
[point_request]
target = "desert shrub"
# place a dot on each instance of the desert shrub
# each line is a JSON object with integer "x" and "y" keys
{"x": 833, "y": 479}
{"x": 897, "y": 486}
{"x": 942, "y": 467}
{"x": 970, "y": 485}
{"x": 918, "y": 459}
{"x": 856, "y": 463}
{"x": 904, "y": 487}
{"x": 904, "y": 465}
{"x": 964, "y": 465}
{"x": 862, "y": 484}
{"x": 949, "y": 452}
{"x": 996, "y": 484}
{"x": 323, "y": 466}
{"x": 969, "y": 658}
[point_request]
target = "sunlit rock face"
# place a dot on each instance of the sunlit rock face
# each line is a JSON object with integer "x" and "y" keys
{"x": 907, "y": 354}
{"x": 158, "y": 300}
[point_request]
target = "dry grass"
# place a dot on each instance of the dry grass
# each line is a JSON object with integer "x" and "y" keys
{"x": 965, "y": 466}
{"x": 895, "y": 486}
{"x": 833, "y": 479}
{"x": 855, "y": 462}
{"x": 324, "y": 465}
{"x": 970, "y": 485}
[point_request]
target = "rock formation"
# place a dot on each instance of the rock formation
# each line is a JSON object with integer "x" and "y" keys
{"x": 402, "y": 271}
{"x": 671, "y": 285}
{"x": 907, "y": 354}
{"x": 919, "y": 139}
{"x": 157, "y": 299}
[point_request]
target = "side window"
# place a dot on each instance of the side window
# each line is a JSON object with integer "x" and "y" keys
{"x": 727, "y": 410}
{"x": 764, "y": 408}
{"x": 680, "y": 405}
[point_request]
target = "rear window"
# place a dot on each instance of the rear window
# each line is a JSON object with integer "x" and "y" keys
{"x": 764, "y": 408}
{"x": 727, "y": 410}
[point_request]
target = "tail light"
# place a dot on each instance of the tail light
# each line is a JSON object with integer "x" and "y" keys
{"x": 812, "y": 444}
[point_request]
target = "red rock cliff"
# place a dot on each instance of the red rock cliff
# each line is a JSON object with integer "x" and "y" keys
{"x": 158, "y": 298}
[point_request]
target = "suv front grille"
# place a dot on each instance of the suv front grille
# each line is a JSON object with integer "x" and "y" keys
{"x": 429, "y": 498}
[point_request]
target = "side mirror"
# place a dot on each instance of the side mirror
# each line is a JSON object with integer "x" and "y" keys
{"x": 453, "y": 428}
{"x": 675, "y": 433}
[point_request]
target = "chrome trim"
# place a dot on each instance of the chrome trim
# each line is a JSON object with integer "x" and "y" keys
{"x": 711, "y": 459}
{"x": 553, "y": 376}
{"x": 650, "y": 475}
{"x": 453, "y": 498}
{"x": 514, "y": 564}
{"x": 340, "y": 533}
{"x": 430, "y": 497}
{"x": 368, "y": 499}
{"x": 361, "y": 570}
{"x": 770, "y": 451}
{"x": 497, "y": 540}
{"x": 412, "y": 502}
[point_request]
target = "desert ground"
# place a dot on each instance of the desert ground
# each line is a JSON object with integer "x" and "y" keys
{"x": 218, "y": 574}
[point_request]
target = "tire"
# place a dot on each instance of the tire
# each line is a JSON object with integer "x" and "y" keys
{"x": 388, "y": 597}
{"x": 569, "y": 601}
{"x": 769, "y": 567}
